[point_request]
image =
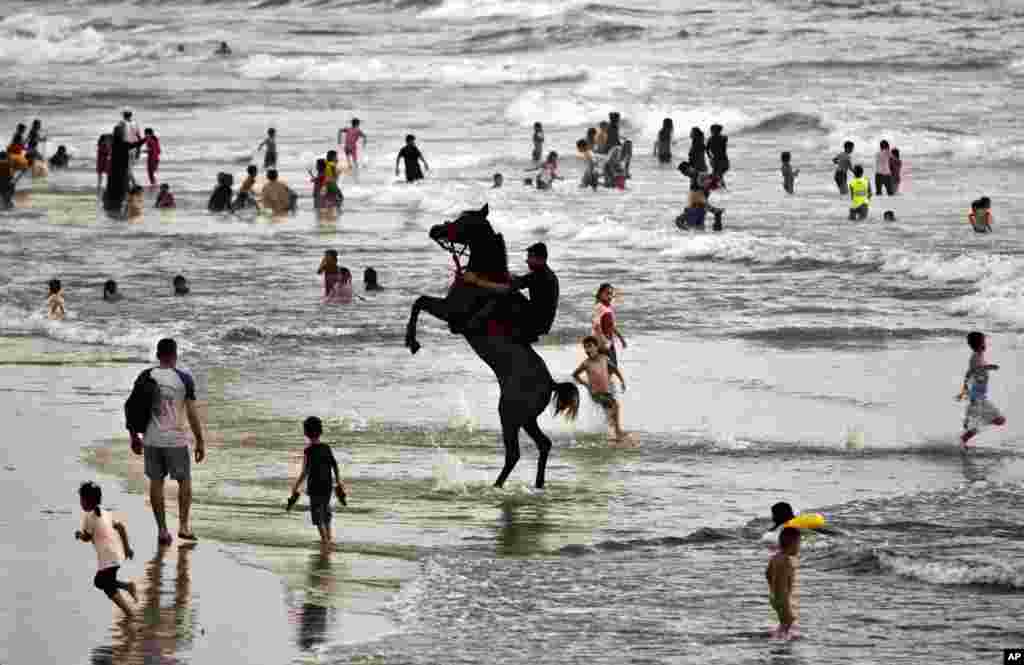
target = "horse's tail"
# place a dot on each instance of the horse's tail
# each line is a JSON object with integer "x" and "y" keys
{"x": 566, "y": 399}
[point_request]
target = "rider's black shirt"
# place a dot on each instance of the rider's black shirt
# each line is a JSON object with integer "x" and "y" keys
{"x": 543, "y": 286}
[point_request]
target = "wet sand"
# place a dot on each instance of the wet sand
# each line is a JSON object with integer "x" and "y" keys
{"x": 208, "y": 602}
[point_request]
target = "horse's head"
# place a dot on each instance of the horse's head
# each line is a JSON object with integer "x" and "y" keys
{"x": 468, "y": 228}
{"x": 472, "y": 231}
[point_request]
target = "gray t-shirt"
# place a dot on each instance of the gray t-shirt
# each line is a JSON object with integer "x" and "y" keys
{"x": 977, "y": 376}
{"x": 844, "y": 161}
{"x": 169, "y": 428}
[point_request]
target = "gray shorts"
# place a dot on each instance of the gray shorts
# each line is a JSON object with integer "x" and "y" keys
{"x": 981, "y": 413}
{"x": 161, "y": 462}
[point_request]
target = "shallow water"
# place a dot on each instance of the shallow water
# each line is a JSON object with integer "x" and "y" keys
{"x": 754, "y": 354}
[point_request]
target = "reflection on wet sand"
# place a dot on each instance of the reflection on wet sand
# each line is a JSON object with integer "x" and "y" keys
{"x": 165, "y": 621}
{"x": 522, "y": 529}
{"x": 312, "y": 617}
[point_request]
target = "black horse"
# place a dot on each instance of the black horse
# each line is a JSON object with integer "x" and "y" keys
{"x": 526, "y": 384}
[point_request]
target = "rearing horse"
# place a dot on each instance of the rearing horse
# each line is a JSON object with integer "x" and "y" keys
{"x": 525, "y": 382}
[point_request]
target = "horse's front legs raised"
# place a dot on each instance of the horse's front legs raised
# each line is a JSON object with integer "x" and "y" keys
{"x": 436, "y": 306}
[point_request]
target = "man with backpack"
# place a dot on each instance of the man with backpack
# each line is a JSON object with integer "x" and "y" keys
{"x": 162, "y": 400}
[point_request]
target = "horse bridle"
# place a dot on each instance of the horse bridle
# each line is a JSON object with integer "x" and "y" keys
{"x": 456, "y": 249}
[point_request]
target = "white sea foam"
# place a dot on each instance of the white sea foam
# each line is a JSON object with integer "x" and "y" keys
{"x": 993, "y": 573}
{"x": 469, "y": 10}
{"x": 29, "y": 39}
{"x": 451, "y": 71}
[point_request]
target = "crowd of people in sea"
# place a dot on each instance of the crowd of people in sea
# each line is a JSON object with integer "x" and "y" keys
{"x": 164, "y": 424}
{"x": 606, "y": 159}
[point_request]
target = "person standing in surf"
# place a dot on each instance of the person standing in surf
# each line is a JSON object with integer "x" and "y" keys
{"x": 270, "y": 144}
{"x": 663, "y": 146}
{"x": 697, "y": 158}
{"x": 844, "y": 165}
{"x": 603, "y": 326}
{"x": 860, "y": 194}
{"x": 883, "y": 170}
{"x": 980, "y": 411}
{"x": 412, "y": 157}
{"x": 166, "y": 440}
{"x": 152, "y": 155}
{"x": 783, "y": 575}
{"x": 349, "y": 139}
{"x": 538, "y": 143}
{"x": 718, "y": 153}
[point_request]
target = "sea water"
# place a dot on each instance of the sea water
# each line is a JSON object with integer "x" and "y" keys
{"x": 795, "y": 356}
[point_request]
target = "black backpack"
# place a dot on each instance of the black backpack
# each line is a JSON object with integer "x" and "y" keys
{"x": 141, "y": 405}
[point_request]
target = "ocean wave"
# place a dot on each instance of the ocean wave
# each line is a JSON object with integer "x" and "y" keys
{"x": 33, "y": 39}
{"x": 472, "y": 10}
{"x": 18, "y": 321}
{"x": 831, "y": 337}
{"x": 992, "y": 574}
{"x": 701, "y": 536}
{"x": 461, "y": 72}
{"x": 967, "y": 63}
{"x": 526, "y": 38}
{"x": 789, "y": 121}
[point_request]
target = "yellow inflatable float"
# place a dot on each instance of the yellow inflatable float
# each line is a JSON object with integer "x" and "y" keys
{"x": 806, "y": 521}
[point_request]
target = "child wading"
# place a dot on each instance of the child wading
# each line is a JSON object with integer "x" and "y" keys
{"x": 318, "y": 465}
{"x": 980, "y": 411}
{"x": 783, "y": 582}
{"x": 599, "y": 372}
{"x": 110, "y": 539}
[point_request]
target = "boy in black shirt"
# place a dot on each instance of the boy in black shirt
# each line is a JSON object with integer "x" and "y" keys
{"x": 317, "y": 466}
{"x": 412, "y": 156}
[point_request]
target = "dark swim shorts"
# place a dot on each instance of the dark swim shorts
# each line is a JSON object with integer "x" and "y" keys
{"x": 320, "y": 510}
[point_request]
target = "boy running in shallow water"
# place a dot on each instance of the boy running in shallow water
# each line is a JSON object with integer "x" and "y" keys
{"x": 599, "y": 372}
{"x": 784, "y": 582}
{"x": 110, "y": 539}
{"x": 980, "y": 411}
{"x": 350, "y": 138}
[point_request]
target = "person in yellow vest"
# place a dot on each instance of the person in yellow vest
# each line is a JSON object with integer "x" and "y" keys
{"x": 860, "y": 194}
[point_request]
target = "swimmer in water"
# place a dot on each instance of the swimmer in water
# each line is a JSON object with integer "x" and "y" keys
{"x": 165, "y": 199}
{"x": 499, "y": 180}
{"x": 586, "y": 153}
{"x": 55, "y": 301}
{"x": 223, "y": 49}
{"x": 663, "y": 146}
{"x": 245, "y": 196}
{"x": 110, "y": 292}
{"x": 135, "y": 202}
{"x": 370, "y": 282}
{"x": 60, "y": 159}
{"x": 980, "y": 216}
{"x": 220, "y": 199}
{"x": 784, "y": 582}
{"x": 599, "y": 373}
{"x": 180, "y": 286}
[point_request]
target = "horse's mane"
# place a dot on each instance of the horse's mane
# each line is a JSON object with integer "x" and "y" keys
{"x": 489, "y": 254}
